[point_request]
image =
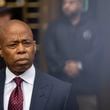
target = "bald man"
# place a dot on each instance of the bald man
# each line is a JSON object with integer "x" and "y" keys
{"x": 22, "y": 85}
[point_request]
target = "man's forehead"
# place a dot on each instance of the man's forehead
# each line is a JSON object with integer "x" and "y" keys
{"x": 18, "y": 37}
{"x": 17, "y": 33}
{"x": 15, "y": 24}
{"x": 16, "y": 27}
{"x": 17, "y": 30}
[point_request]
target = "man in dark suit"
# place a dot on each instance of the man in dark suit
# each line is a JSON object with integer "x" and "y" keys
{"x": 71, "y": 49}
{"x": 22, "y": 86}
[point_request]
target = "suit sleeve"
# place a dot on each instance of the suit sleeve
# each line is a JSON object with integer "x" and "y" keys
{"x": 71, "y": 102}
{"x": 54, "y": 60}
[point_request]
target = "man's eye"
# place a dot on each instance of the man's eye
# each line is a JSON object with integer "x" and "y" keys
{"x": 12, "y": 45}
{"x": 27, "y": 43}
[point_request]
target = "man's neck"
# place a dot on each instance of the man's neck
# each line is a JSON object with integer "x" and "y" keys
{"x": 75, "y": 20}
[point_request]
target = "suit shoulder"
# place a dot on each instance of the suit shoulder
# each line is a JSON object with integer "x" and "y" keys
{"x": 2, "y": 70}
{"x": 56, "y": 23}
{"x": 56, "y": 82}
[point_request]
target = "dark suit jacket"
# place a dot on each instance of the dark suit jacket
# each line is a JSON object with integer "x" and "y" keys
{"x": 63, "y": 42}
{"x": 49, "y": 93}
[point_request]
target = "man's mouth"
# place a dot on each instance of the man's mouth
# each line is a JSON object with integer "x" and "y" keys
{"x": 22, "y": 61}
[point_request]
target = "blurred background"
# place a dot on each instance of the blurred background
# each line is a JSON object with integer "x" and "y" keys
{"x": 38, "y": 13}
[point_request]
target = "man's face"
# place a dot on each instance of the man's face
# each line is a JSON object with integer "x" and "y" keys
{"x": 71, "y": 7}
{"x": 18, "y": 48}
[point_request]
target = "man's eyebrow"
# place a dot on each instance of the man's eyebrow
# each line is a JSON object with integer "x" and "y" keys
{"x": 14, "y": 41}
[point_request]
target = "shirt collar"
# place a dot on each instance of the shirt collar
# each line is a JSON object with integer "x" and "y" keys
{"x": 28, "y": 76}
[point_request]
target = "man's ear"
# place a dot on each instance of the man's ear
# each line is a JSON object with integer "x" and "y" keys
{"x": 1, "y": 54}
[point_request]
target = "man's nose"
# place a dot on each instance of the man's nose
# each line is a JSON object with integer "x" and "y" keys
{"x": 21, "y": 49}
{"x": 66, "y": 5}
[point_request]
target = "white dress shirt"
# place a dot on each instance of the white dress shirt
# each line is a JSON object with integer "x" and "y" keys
{"x": 27, "y": 86}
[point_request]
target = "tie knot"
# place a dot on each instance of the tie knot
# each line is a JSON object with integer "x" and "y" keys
{"x": 18, "y": 81}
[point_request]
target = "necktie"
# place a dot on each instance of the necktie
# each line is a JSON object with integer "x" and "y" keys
{"x": 16, "y": 97}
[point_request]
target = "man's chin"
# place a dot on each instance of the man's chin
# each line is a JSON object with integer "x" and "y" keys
{"x": 22, "y": 62}
{"x": 20, "y": 69}
{"x": 72, "y": 15}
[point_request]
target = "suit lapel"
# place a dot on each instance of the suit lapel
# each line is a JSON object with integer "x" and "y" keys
{"x": 2, "y": 81}
{"x": 41, "y": 92}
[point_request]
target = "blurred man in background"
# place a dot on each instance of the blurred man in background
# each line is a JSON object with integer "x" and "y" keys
{"x": 71, "y": 51}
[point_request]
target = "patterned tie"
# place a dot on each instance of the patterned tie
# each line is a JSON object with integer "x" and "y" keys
{"x": 16, "y": 97}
